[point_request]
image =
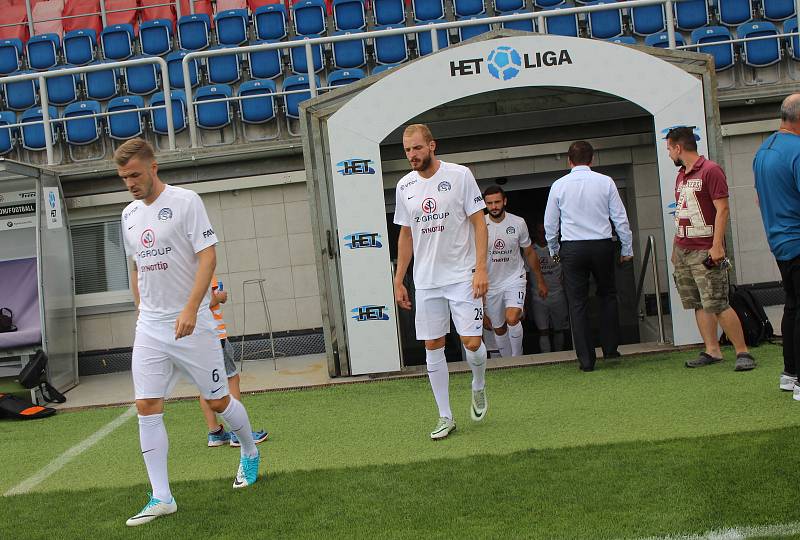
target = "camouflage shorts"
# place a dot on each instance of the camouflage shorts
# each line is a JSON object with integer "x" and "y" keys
{"x": 699, "y": 287}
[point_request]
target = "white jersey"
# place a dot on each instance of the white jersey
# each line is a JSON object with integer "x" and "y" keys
{"x": 506, "y": 266}
{"x": 163, "y": 239}
{"x": 551, "y": 270}
{"x": 438, "y": 209}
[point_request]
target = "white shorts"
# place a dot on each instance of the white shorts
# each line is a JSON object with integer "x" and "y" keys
{"x": 434, "y": 307}
{"x": 157, "y": 356}
{"x": 551, "y": 312}
{"x": 497, "y": 302}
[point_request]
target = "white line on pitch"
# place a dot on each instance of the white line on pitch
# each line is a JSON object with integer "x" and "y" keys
{"x": 59, "y": 462}
{"x": 775, "y": 530}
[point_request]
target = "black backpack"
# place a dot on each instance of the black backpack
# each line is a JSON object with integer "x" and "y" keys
{"x": 6, "y": 320}
{"x": 755, "y": 324}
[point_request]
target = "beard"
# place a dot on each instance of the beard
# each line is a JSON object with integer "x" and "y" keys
{"x": 423, "y": 164}
{"x": 497, "y": 213}
{"x": 678, "y": 162}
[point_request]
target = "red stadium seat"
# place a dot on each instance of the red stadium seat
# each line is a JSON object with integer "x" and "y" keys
{"x": 200, "y": 6}
{"x": 42, "y": 11}
{"x": 159, "y": 12}
{"x": 11, "y": 15}
{"x": 225, "y": 5}
{"x": 90, "y": 8}
{"x": 122, "y": 17}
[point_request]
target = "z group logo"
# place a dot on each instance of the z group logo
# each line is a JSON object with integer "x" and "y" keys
{"x": 429, "y": 205}
{"x": 355, "y": 166}
{"x": 363, "y": 240}
{"x": 370, "y": 313}
{"x": 504, "y": 62}
{"x": 148, "y": 238}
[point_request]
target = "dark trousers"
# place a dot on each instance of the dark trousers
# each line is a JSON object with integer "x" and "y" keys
{"x": 579, "y": 259}
{"x": 790, "y": 324}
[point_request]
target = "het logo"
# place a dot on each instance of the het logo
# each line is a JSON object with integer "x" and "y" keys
{"x": 504, "y": 62}
{"x": 148, "y": 238}
{"x": 363, "y": 240}
{"x": 429, "y": 205}
{"x": 370, "y": 313}
{"x": 355, "y": 166}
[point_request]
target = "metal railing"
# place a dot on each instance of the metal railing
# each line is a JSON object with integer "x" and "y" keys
{"x": 651, "y": 256}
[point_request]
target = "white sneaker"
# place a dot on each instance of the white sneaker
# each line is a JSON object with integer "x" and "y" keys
{"x": 787, "y": 382}
{"x": 153, "y": 509}
{"x": 443, "y": 428}
{"x": 796, "y": 393}
{"x": 479, "y": 405}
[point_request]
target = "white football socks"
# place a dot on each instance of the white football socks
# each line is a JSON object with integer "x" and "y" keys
{"x": 236, "y": 417}
{"x": 440, "y": 380}
{"x": 155, "y": 446}
{"x": 515, "y": 336}
{"x": 503, "y": 344}
{"x": 477, "y": 362}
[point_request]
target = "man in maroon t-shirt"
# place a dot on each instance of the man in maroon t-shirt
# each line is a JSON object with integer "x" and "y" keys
{"x": 701, "y": 216}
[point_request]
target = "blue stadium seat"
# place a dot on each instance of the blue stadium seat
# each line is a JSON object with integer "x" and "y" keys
{"x": 266, "y": 64}
{"x": 623, "y": 40}
{"x": 648, "y": 20}
{"x": 143, "y": 79}
{"x": 117, "y": 41}
{"x": 562, "y": 25}
{"x": 43, "y": 51}
{"x": 466, "y": 8}
{"x": 257, "y": 110}
{"x": 159, "y": 116}
{"x": 391, "y": 49}
{"x": 506, "y": 6}
{"x": 126, "y": 125}
{"x": 723, "y": 54}
{"x": 33, "y": 134}
{"x": 424, "y": 44}
{"x": 734, "y": 12}
{"x": 294, "y": 83}
{"x": 79, "y": 131}
{"x": 548, "y": 3}
{"x": 10, "y": 55}
{"x": 224, "y": 69}
{"x": 691, "y": 14}
{"x": 761, "y": 53}
{"x": 156, "y": 37}
{"x": 175, "y": 70}
{"x": 428, "y": 10}
{"x": 309, "y": 17}
{"x": 231, "y": 26}
{"x": 297, "y": 55}
{"x": 214, "y": 115}
{"x": 194, "y": 32}
{"x": 605, "y": 24}
{"x": 793, "y": 42}
{"x": 469, "y": 32}
{"x": 21, "y": 95}
{"x": 7, "y": 135}
{"x": 270, "y": 22}
{"x": 383, "y": 67}
{"x": 342, "y": 77}
{"x": 661, "y": 40}
{"x": 101, "y": 85}
{"x": 348, "y": 54}
{"x": 523, "y": 25}
{"x": 349, "y": 15}
{"x": 778, "y": 10}
{"x": 79, "y": 46}
{"x": 389, "y": 12}
{"x": 62, "y": 90}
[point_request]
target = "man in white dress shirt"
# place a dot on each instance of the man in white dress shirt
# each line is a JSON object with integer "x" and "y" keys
{"x": 580, "y": 208}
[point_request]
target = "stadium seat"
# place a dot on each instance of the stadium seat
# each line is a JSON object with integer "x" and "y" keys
{"x": 778, "y": 10}
{"x": 691, "y": 14}
{"x": 348, "y": 54}
{"x": 293, "y": 83}
{"x": 82, "y": 14}
{"x": 232, "y": 26}
{"x": 648, "y": 20}
{"x": 309, "y": 17}
{"x": 467, "y": 8}
{"x": 661, "y": 40}
{"x": 79, "y": 47}
{"x": 226, "y": 5}
{"x": 156, "y": 37}
{"x": 33, "y": 134}
{"x": 142, "y": 79}
{"x": 469, "y": 32}
{"x": 122, "y": 12}
{"x": 194, "y": 32}
{"x": 548, "y": 3}
{"x": 562, "y": 25}
{"x": 257, "y": 110}
{"x": 214, "y": 115}
{"x": 16, "y": 17}
{"x": 506, "y": 6}
{"x": 424, "y": 43}
{"x": 388, "y": 12}
{"x": 49, "y": 13}
{"x": 7, "y": 137}
{"x": 62, "y": 90}
{"x": 226, "y": 68}
{"x": 43, "y": 51}
{"x": 21, "y": 95}
{"x": 10, "y": 56}
{"x": 523, "y": 25}
{"x": 342, "y": 77}
{"x": 428, "y": 10}
{"x": 117, "y": 41}
{"x": 79, "y": 131}
{"x": 763, "y": 52}
{"x": 255, "y": 4}
{"x": 723, "y": 54}
{"x": 391, "y": 49}
{"x": 159, "y": 116}
{"x": 349, "y": 15}
{"x": 270, "y": 22}
{"x": 101, "y": 85}
{"x": 793, "y": 42}
{"x": 175, "y": 70}
{"x": 605, "y": 24}
{"x": 201, "y": 7}
{"x": 383, "y": 67}
{"x": 155, "y": 9}
{"x": 297, "y": 56}
{"x": 734, "y": 12}
{"x": 623, "y": 40}
{"x": 124, "y": 126}
{"x": 266, "y": 64}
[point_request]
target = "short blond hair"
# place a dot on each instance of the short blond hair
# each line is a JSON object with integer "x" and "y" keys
{"x": 133, "y": 148}
{"x": 419, "y": 128}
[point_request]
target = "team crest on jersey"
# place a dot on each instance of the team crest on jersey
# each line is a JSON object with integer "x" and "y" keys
{"x": 429, "y": 205}
{"x": 148, "y": 238}
{"x": 165, "y": 214}
{"x": 444, "y": 186}
{"x": 499, "y": 244}
{"x": 511, "y": 230}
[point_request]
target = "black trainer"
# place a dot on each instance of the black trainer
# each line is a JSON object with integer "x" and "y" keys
{"x": 744, "y": 362}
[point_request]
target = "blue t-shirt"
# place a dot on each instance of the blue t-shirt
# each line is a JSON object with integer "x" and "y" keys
{"x": 776, "y": 168}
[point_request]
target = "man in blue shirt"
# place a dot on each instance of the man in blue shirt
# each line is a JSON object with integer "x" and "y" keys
{"x": 776, "y": 168}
